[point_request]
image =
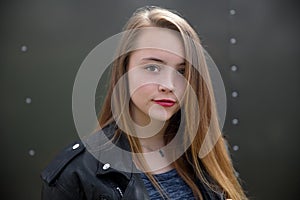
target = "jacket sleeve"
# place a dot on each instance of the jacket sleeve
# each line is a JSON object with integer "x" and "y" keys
{"x": 55, "y": 193}
{"x": 59, "y": 179}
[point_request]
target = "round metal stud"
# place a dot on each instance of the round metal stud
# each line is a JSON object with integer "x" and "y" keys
{"x": 106, "y": 166}
{"x": 235, "y": 148}
{"x": 232, "y": 12}
{"x": 234, "y": 94}
{"x": 31, "y": 152}
{"x": 233, "y": 41}
{"x": 24, "y": 48}
{"x": 28, "y": 100}
{"x": 75, "y": 146}
{"x": 235, "y": 121}
{"x": 234, "y": 68}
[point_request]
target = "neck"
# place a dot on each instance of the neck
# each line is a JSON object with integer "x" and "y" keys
{"x": 156, "y": 140}
{"x": 158, "y": 160}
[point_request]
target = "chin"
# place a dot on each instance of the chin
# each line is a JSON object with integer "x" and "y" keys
{"x": 161, "y": 116}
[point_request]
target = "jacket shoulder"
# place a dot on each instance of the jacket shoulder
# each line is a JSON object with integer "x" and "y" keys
{"x": 56, "y": 166}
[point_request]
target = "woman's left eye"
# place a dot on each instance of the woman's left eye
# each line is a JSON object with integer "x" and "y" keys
{"x": 181, "y": 71}
{"x": 152, "y": 68}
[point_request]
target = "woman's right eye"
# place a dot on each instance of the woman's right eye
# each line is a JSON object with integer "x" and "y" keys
{"x": 152, "y": 68}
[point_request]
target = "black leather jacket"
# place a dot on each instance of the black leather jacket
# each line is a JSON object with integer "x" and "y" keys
{"x": 75, "y": 174}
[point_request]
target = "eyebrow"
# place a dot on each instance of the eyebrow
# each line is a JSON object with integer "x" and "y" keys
{"x": 159, "y": 60}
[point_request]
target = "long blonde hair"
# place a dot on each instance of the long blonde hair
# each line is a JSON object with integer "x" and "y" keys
{"x": 216, "y": 163}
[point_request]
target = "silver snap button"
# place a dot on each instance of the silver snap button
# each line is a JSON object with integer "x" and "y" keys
{"x": 75, "y": 146}
{"x": 106, "y": 166}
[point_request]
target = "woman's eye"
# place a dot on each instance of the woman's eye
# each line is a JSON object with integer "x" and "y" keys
{"x": 181, "y": 71}
{"x": 152, "y": 68}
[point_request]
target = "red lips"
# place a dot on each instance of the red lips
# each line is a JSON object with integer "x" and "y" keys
{"x": 165, "y": 102}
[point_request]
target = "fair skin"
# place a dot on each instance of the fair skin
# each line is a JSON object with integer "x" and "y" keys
{"x": 156, "y": 87}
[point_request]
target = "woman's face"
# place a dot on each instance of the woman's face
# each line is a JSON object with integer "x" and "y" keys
{"x": 155, "y": 76}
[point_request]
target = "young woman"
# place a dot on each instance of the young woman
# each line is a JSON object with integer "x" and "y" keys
{"x": 161, "y": 109}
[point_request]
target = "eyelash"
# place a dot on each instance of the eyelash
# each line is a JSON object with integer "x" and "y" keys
{"x": 181, "y": 71}
{"x": 158, "y": 68}
{"x": 152, "y": 66}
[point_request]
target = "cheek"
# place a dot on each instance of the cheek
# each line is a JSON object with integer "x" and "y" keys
{"x": 180, "y": 88}
{"x": 142, "y": 94}
{"x": 138, "y": 84}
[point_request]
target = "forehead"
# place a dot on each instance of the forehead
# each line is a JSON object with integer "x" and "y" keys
{"x": 147, "y": 55}
{"x": 161, "y": 39}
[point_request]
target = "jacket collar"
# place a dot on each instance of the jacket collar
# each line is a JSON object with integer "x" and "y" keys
{"x": 113, "y": 157}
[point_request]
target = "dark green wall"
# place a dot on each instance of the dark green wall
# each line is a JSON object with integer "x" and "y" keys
{"x": 43, "y": 43}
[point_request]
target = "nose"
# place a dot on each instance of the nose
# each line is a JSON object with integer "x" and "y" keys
{"x": 163, "y": 88}
{"x": 167, "y": 82}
